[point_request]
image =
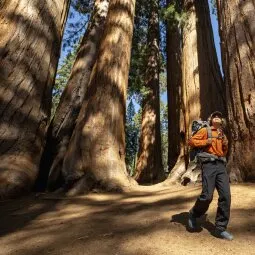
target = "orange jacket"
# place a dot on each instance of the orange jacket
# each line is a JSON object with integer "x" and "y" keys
{"x": 217, "y": 148}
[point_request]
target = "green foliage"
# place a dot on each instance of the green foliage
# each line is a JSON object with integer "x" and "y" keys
{"x": 82, "y": 6}
{"x": 214, "y": 7}
{"x": 174, "y": 15}
{"x": 137, "y": 71}
{"x": 164, "y": 133}
{"x": 163, "y": 81}
{"x": 63, "y": 74}
{"x": 76, "y": 25}
{"x": 138, "y": 53}
{"x": 132, "y": 127}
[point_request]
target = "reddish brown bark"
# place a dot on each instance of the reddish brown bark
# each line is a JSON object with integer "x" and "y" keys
{"x": 149, "y": 166}
{"x": 97, "y": 147}
{"x": 63, "y": 123}
{"x": 202, "y": 89}
{"x": 174, "y": 80}
{"x": 31, "y": 33}
{"x": 212, "y": 94}
{"x": 237, "y": 31}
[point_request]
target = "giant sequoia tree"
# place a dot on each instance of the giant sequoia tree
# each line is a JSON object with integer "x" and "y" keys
{"x": 237, "y": 31}
{"x": 149, "y": 164}
{"x": 97, "y": 147}
{"x": 174, "y": 79}
{"x": 202, "y": 88}
{"x": 63, "y": 123}
{"x": 31, "y": 33}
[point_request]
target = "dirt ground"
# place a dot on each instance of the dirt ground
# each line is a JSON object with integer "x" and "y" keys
{"x": 137, "y": 223}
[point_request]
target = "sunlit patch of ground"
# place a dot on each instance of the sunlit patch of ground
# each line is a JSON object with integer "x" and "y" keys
{"x": 124, "y": 224}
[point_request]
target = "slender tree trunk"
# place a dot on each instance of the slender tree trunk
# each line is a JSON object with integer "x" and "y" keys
{"x": 174, "y": 81}
{"x": 97, "y": 147}
{"x": 237, "y": 31}
{"x": 63, "y": 123}
{"x": 202, "y": 89}
{"x": 149, "y": 167}
{"x": 31, "y": 33}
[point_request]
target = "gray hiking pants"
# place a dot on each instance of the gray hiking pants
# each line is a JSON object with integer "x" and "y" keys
{"x": 214, "y": 175}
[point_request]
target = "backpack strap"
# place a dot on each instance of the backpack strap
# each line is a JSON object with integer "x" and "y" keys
{"x": 209, "y": 133}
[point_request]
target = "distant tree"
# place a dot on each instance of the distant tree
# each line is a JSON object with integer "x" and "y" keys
{"x": 132, "y": 132}
{"x": 77, "y": 23}
{"x": 63, "y": 74}
{"x": 149, "y": 166}
{"x": 164, "y": 134}
{"x": 138, "y": 51}
{"x": 174, "y": 16}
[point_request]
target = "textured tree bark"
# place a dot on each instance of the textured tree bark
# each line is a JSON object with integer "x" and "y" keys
{"x": 237, "y": 31}
{"x": 63, "y": 123}
{"x": 189, "y": 103}
{"x": 149, "y": 168}
{"x": 213, "y": 92}
{"x": 31, "y": 33}
{"x": 174, "y": 81}
{"x": 97, "y": 147}
{"x": 202, "y": 89}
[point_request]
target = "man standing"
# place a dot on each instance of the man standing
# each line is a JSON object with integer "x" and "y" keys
{"x": 214, "y": 175}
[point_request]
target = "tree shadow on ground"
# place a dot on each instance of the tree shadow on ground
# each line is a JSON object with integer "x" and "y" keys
{"x": 203, "y": 222}
{"x": 130, "y": 224}
{"x": 22, "y": 211}
{"x": 84, "y": 221}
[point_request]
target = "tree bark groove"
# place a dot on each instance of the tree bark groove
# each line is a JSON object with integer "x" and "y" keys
{"x": 202, "y": 90}
{"x": 31, "y": 33}
{"x": 98, "y": 141}
{"x": 149, "y": 166}
{"x": 237, "y": 32}
{"x": 174, "y": 81}
{"x": 63, "y": 123}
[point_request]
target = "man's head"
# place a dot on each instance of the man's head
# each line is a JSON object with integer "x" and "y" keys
{"x": 216, "y": 119}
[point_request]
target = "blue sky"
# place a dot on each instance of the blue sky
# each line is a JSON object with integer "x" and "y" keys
{"x": 216, "y": 36}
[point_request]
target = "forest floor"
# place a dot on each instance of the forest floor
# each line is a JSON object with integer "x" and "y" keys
{"x": 137, "y": 223}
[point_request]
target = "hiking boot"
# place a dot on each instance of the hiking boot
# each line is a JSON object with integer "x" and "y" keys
{"x": 224, "y": 235}
{"x": 192, "y": 222}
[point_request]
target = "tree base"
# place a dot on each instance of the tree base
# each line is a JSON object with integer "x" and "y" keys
{"x": 87, "y": 183}
{"x": 14, "y": 184}
{"x": 192, "y": 175}
{"x": 177, "y": 172}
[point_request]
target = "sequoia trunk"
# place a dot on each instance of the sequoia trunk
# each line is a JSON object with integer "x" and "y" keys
{"x": 237, "y": 31}
{"x": 31, "y": 33}
{"x": 174, "y": 81}
{"x": 212, "y": 94}
{"x": 202, "y": 89}
{"x": 97, "y": 147}
{"x": 149, "y": 166}
{"x": 63, "y": 123}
